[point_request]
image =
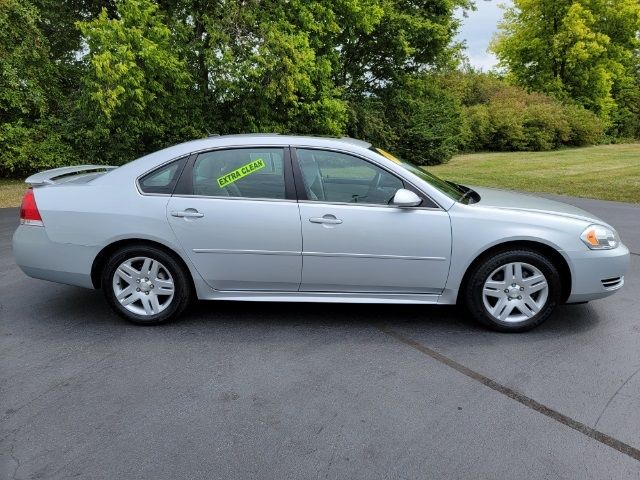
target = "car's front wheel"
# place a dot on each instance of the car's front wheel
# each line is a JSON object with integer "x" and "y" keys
{"x": 513, "y": 291}
{"x": 145, "y": 285}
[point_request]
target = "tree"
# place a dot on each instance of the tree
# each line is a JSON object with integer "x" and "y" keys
{"x": 25, "y": 69}
{"x": 110, "y": 80}
{"x": 426, "y": 120}
{"x": 30, "y": 137}
{"x": 136, "y": 89}
{"x": 297, "y": 66}
{"x": 584, "y": 50}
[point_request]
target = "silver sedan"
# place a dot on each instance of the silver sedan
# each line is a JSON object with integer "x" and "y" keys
{"x": 305, "y": 219}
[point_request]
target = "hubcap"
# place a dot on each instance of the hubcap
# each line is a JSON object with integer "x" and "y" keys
{"x": 515, "y": 292}
{"x": 143, "y": 286}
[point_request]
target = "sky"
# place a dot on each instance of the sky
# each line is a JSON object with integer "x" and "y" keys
{"x": 478, "y": 29}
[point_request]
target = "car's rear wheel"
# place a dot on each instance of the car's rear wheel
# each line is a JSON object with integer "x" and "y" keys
{"x": 145, "y": 285}
{"x": 513, "y": 291}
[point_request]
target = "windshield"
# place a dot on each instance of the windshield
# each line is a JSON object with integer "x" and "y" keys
{"x": 452, "y": 190}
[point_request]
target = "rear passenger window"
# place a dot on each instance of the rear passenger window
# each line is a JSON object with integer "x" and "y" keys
{"x": 244, "y": 172}
{"x": 163, "y": 180}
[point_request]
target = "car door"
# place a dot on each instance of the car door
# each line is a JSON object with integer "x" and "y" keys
{"x": 354, "y": 241}
{"x": 235, "y": 213}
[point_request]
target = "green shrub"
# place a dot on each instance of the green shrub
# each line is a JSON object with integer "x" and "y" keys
{"x": 585, "y": 127}
{"x": 26, "y": 149}
{"x": 499, "y": 116}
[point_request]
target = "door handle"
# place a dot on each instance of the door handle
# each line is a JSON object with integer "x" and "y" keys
{"x": 187, "y": 214}
{"x": 327, "y": 219}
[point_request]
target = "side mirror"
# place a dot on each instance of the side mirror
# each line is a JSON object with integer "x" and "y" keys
{"x": 405, "y": 198}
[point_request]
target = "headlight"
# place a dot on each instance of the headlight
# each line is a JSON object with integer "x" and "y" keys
{"x": 598, "y": 237}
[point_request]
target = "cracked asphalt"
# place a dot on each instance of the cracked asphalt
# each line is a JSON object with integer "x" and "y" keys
{"x": 279, "y": 391}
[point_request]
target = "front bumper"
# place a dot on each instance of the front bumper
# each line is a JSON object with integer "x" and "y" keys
{"x": 597, "y": 273}
{"x": 39, "y": 257}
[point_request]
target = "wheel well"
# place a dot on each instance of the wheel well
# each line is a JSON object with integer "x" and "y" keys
{"x": 550, "y": 252}
{"x": 105, "y": 253}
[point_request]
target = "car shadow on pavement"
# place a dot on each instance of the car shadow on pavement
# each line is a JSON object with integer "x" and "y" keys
{"x": 88, "y": 309}
{"x": 437, "y": 319}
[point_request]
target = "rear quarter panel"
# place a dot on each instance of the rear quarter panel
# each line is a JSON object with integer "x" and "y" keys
{"x": 96, "y": 215}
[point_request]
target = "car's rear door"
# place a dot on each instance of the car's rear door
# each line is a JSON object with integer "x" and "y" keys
{"x": 235, "y": 213}
{"x": 354, "y": 241}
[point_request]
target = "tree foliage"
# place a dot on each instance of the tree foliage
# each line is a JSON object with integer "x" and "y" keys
{"x": 584, "y": 50}
{"x": 109, "y": 80}
{"x": 25, "y": 68}
{"x": 136, "y": 86}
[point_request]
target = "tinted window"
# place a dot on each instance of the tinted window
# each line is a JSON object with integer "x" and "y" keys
{"x": 337, "y": 177}
{"x": 162, "y": 180}
{"x": 246, "y": 172}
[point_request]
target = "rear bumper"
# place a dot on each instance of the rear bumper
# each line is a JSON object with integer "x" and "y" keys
{"x": 597, "y": 274}
{"x": 39, "y": 257}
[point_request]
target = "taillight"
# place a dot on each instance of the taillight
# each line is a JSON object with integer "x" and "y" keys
{"x": 29, "y": 214}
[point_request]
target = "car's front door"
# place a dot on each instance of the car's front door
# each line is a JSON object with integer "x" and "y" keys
{"x": 235, "y": 214}
{"x": 354, "y": 241}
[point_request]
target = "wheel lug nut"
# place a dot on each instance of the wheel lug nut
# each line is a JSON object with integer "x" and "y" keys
{"x": 138, "y": 280}
{"x": 506, "y": 290}
{"x": 146, "y": 293}
{"x": 521, "y": 289}
{"x": 137, "y": 289}
{"x": 519, "y": 297}
{"x": 151, "y": 286}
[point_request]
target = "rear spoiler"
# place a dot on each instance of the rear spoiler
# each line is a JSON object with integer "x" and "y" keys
{"x": 48, "y": 177}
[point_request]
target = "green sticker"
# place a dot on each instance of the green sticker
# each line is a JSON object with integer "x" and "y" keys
{"x": 241, "y": 172}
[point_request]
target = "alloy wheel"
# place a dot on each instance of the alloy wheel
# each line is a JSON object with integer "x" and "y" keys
{"x": 515, "y": 292}
{"x": 143, "y": 285}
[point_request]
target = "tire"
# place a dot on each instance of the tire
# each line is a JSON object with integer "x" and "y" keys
{"x": 145, "y": 285}
{"x": 508, "y": 298}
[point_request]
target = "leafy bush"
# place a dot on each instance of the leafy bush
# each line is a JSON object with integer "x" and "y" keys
{"x": 585, "y": 127}
{"x": 499, "y": 116}
{"x": 25, "y": 149}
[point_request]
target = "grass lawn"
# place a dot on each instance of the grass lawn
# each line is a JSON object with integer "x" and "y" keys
{"x": 11, "y": 192}
{"x": 607, "y": 172}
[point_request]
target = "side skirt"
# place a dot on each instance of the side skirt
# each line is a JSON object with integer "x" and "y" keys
{"x": 321, "y": 297}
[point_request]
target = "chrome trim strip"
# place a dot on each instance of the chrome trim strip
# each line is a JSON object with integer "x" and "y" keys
{"x": 225, "y": 251}
{"x": 369, "y": 255}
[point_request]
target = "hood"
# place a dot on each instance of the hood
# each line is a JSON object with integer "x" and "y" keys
{"x": 490, "y": 197}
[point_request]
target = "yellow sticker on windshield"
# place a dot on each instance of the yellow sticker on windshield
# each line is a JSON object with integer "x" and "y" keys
{"x": 241, "y": 172}
{"x": 389, "y": 156}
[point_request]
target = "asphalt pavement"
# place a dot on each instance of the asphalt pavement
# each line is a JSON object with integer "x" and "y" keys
{"x": 277, "y": 391}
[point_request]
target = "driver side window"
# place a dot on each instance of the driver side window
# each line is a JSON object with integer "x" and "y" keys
{"x": 337, "y": 177}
